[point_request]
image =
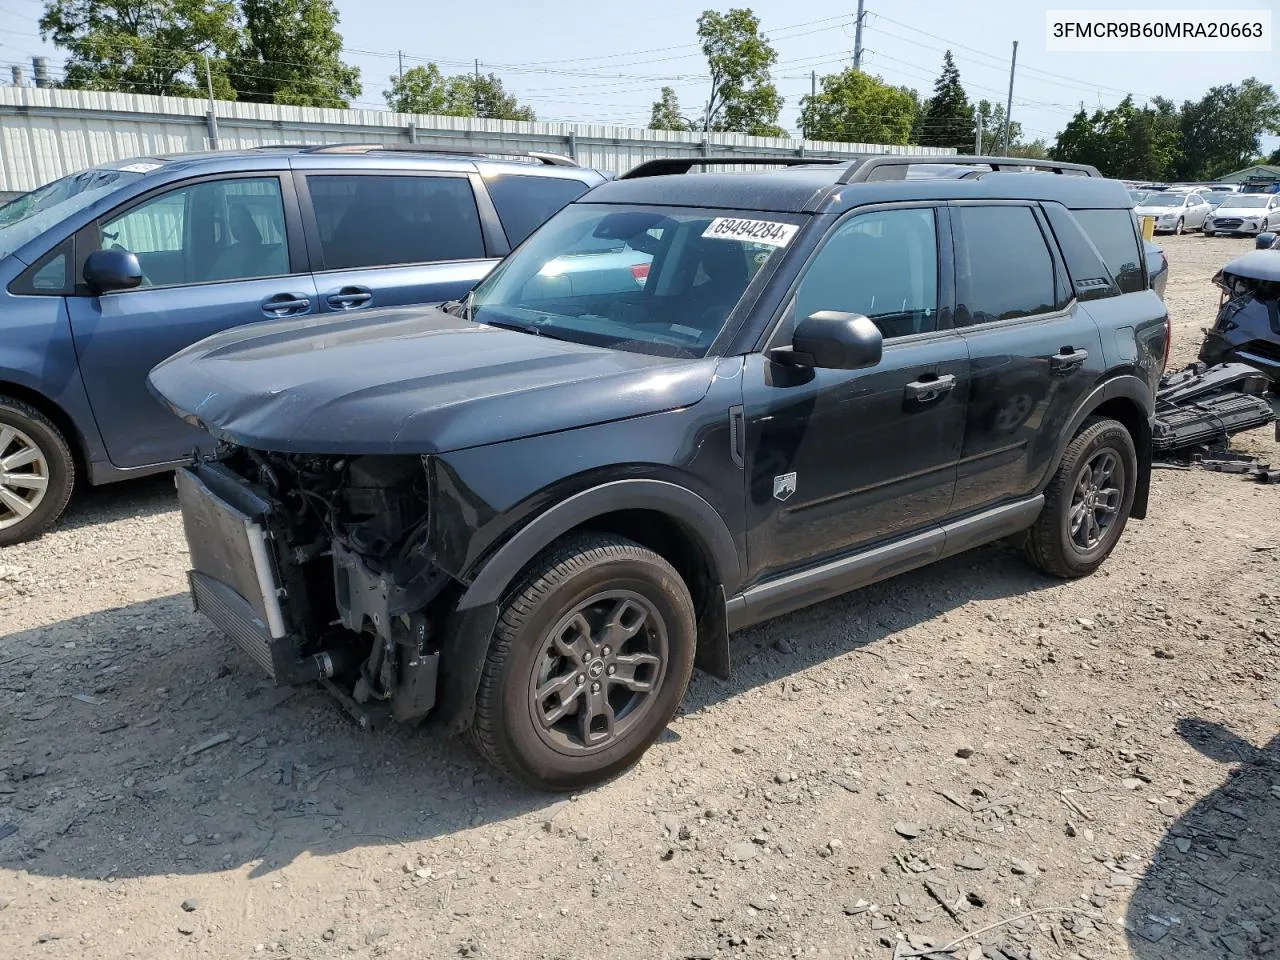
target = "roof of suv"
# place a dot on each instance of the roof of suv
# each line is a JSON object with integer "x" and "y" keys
{"x": 833, "y": 187}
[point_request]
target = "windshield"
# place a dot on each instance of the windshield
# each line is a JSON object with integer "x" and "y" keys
{"x": 1164, "y": 200}
{"x": 659, "y": 280}
{"x": 1254, "y": 200}
{"x": 33, "y": 213}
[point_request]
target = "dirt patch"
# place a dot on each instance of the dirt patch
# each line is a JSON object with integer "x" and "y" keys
{"x": 1095, "y": 761}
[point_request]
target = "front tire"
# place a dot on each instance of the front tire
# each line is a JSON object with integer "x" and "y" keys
{"x": 37, "y": 472}
{"x": 1208, "y": 233}
{"x": 588, "y": 663}
{"x": 1177, "y": 228}
{"x": 1087, "y": 503}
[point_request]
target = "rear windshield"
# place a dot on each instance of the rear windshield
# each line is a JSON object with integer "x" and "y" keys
{"x": 1164, "y": 200}
{"x": 28, "y": 216}
{"x": 657, "y": 280}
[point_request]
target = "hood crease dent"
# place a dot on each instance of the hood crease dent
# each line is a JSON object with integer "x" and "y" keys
{"x": 409, "y": 380}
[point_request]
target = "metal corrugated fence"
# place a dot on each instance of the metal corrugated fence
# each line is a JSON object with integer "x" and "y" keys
{"x": 46, "y": 133}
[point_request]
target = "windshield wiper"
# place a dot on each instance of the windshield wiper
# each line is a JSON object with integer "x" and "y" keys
{"x": 513, "y": 325}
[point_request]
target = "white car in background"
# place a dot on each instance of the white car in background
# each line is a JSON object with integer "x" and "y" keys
{"x": 1174, "y": 212}
{"x": 1248, "y": 213}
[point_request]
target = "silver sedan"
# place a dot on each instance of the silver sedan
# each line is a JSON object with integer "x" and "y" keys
{"x": 1175, "y": 212}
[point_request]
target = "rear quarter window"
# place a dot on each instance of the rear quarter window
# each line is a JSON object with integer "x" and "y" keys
{"x": 525, "y": 203}
{"x": 1115, "y": 234}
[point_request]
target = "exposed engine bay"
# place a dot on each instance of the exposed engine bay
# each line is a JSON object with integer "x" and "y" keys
{"x": 344, "y": 572}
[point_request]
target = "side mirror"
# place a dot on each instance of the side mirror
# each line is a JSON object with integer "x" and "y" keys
{"x": 1266, "y": 240}
{"x": 107, "y": 270}
{"x": 833, "y": 340}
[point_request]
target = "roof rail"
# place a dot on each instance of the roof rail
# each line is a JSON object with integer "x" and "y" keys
{"x": 665, "y": 166}
{"x": 895, "y": 167}
{"x": 549, "y": 159}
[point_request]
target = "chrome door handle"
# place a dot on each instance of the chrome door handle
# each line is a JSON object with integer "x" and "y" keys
{"x": 929, "y": 388}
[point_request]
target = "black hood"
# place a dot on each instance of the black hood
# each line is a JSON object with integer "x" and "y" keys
{"x": 414, "y": 380}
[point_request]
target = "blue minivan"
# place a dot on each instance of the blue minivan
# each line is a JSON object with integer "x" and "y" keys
{"x": 107, "y": 272}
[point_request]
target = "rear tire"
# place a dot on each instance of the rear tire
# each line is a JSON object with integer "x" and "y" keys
{"x": 1087, "y": 503}
{"x": 588, "y": 663}
{"x": 37, "y": 472}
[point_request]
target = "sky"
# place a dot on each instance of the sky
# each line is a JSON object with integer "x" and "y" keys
{"x": 605, "y": 62}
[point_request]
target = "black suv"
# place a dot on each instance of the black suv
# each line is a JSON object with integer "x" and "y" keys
{"x": 686, "y": 404}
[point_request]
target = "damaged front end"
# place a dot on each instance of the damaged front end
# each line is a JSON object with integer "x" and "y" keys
{"x": 318, "y": 568}
{"x": 1247, "y": 329}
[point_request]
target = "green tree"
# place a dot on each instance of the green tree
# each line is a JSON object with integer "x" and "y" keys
{"x": 666, "y": 114}
{"x": 743, "y": 98}
{"x": 419, "y": 90}
{"x": 1126, "y": 141}
{"x": 144, "y": 46}
{"x": 992, "y": 115}
{"x": 1035, "y": 150}
{"x": 855, "y": 107}
{"x": 1223, "y": 130}
{"x": 292, "y": 54}
{"x": 427, "y": 90}
{"x": 947, "y": 118}
{"x": 1274, "y": 158}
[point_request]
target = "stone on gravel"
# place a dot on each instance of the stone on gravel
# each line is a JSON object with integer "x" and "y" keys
{"x": 783, "y": 776}
{"x": 908, "y": 829}
{"x": 1131, "y": 783}
{"x": 741, "y": 852}
{"x": 964, "y": 753}
{"x": 190, "y": 905}
{"x": 1183, "y": 844}
{"x": 972, "y": 862}
{"x": 857, "y": 906}
{"x": 187, "y": 929}
{"x": 783, "y": 647}
{"x": 1021, "y": 867}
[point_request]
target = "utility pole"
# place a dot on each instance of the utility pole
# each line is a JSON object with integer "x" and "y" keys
{"x": 857, "y": 38}
{"x": 476, "y": 88}
{"x": 1008, "y": 107}
{"x": 977, "y": 138}
{"x": 813, "y": 83}
{"x": 212, "y": 118}
{"x": 400, "y": 54}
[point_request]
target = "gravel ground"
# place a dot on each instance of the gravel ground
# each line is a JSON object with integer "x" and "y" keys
{"x": 1096, "y": 764}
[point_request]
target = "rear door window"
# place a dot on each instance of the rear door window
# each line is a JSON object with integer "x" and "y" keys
{"x": 525, "y": 203}
{"x": 1115, "y": 234}
{"x": 385, "y": 220}
{"x": 1004, "y": 269}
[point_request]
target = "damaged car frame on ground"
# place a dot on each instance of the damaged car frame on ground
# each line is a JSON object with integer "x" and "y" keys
{"x": 535, "y": 511}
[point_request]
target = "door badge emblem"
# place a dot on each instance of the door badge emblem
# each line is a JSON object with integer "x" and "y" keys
{"x": 784, "y": 486}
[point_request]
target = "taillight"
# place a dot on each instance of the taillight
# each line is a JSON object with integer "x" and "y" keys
{"x": 1168, "y": 342}
{"x": 641, "y": 272}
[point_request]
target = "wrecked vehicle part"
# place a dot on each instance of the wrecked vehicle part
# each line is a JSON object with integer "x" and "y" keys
{"x": 1215, "y": 418}
{"x": 1202, "y": 405}
{"x": 1247, "y": 329}
{"x": 274, "y": 557}
{"x": 1201, "y": 380}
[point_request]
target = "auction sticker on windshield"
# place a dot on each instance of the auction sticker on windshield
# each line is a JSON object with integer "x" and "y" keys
{"x": 757, "y": 231}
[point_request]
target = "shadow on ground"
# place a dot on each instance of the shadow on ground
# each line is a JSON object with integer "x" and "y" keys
{"x": 177, "y": 757}
{"x": 144, "y": 497}
{"x": 1213, "y": 889}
